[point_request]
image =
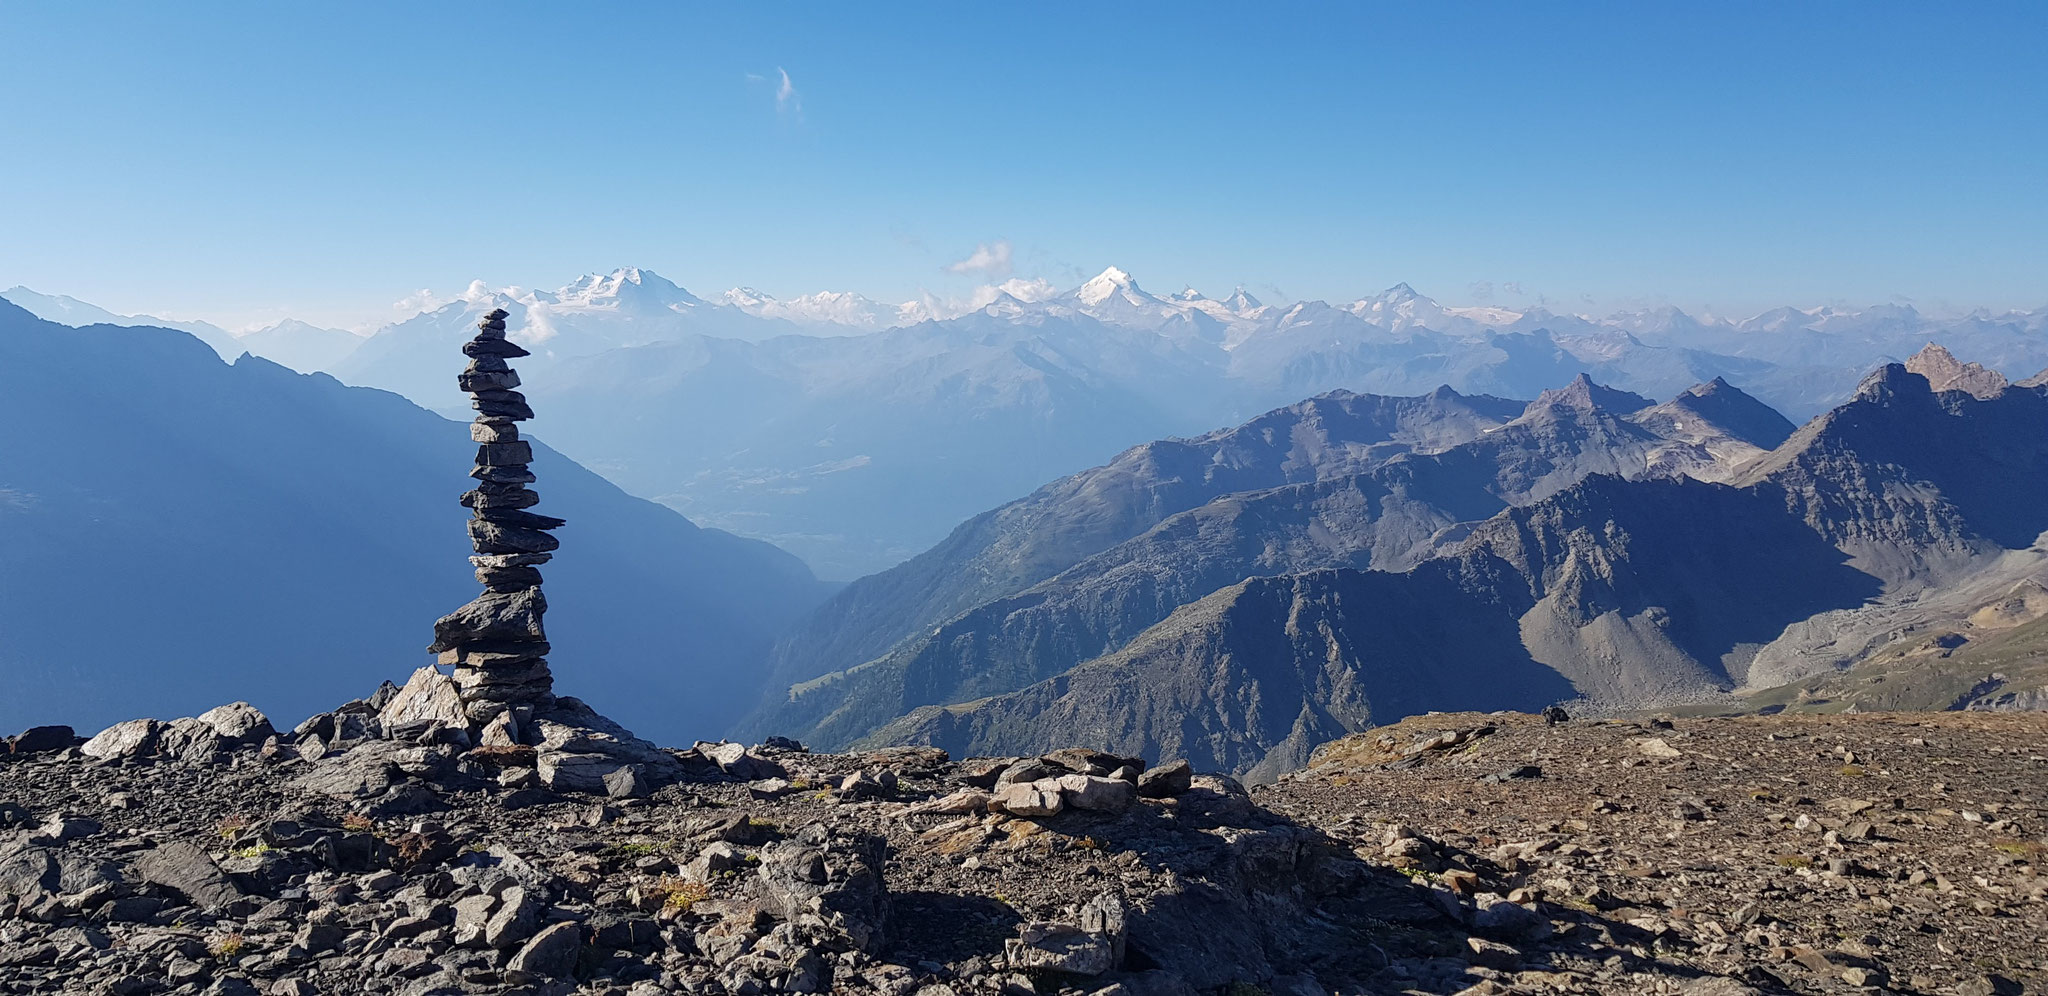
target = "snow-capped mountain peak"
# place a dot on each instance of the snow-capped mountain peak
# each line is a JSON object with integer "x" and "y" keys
{"x": 625, "y": 288}
{"x": 1111, "y": 281}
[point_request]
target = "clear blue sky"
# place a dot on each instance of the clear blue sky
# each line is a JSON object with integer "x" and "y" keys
{"x": 241, "y": 162}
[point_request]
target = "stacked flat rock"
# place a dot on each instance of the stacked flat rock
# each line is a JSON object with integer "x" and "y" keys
{"x": 496, "y": 643}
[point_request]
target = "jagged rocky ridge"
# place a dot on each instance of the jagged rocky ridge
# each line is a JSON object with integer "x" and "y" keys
{"x": 1637, "y": 593}
{"x": 1387, "y": 511}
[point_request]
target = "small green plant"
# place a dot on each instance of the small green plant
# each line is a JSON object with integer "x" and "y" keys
{"x": 684, "y": 895}
{"x": 1794, "y": 861}
{"x": 2021, "y": 848}
{"x": 636, "y": 849}
{"x": 1852, "y": 771}
{"x": 255, "y": 851}
{"x": 358, "y": 823}
{"x": 761, "y": 824}
{"x": 226, "y": 946}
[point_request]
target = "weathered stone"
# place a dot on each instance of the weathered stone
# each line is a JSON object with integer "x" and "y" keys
{"x": 487, "y": 380}
{"x": 715, "y": 860}
{"x": 32, "y": 872}
{"x": 550, "y": 955}
{"x": 510, "y": 559}
{"x": 472, "y": 913}
{"x": 496, "y": 655}
{"x": 627, "y": 782}
{"x": 1096, "y": 792}
{"x": 493, "y": 617}
{"x": 515, "y": 919}
{"x": 134, "y": 738}
{"x": 1036, "y": 798}
{"x": 189, "y": 740}
{"x": 489, "y": 537}
{"x": 182, "y": 867}
{"x": 736, "y": 760}
{"x": 1169, "y": 779}
{"x": 514, "y": 474}
{"x": 837, "y": 879}
{"x": 501, "y": 404}
{"x": 1058, "y": 947}
{"x": 428, "y": 695}
{"x": 508, "y": 578}
{"x": 1109, "y": 917}
{"x": 500, "y": 496}
{"x": 494, "y": 347}
{"x": 577, "y": 772}
{"x": 40, "y": 740}
{"x": 512, "y": 454}
{"x": 519, "y": 519}
{"x": 238, "y": 723}
{"x": 494, "y": 432}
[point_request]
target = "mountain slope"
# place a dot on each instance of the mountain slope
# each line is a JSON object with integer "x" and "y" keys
{"x": 1386, "y": 517}
{"x": 1010, "y": 548}
{"x": 1636, "y": 593}
{"x": 1572, "y": 595}
{"x": 176, "y": 525}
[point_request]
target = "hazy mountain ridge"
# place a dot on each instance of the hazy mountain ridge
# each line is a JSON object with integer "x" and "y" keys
{"x": 1387, "y": 517}
{"x": 1009, "y": 548}
{"x": 813, "y": 464}
{"x": 1856, "y": 513}
{"x": 178, "y": 524}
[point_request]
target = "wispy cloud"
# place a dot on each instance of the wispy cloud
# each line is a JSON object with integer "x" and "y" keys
{"x": 991, "y": 259}
{"x": 786, "y": 97}
{"x": 420, "y": 300}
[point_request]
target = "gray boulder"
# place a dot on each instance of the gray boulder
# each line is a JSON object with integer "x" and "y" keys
{"x": 1169, "y": 779}
{"x": 1058, "y": 947}
{"x": 182, "y": 867}
{"x": 40, "y": 740}
{"x": 239, "y": 724}
{"x": 827, "y": 883}
{"x": 550, "y": 955}
{"x": 134, "y": 738}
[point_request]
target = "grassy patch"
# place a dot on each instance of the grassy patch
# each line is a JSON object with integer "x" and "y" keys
{"x": 226, "y": 946}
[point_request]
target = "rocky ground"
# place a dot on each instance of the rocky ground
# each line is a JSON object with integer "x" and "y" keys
{"x": 1453, "y": 853}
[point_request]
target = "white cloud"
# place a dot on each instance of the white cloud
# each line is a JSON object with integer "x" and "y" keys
{"x": 786, "y": 97}
{"x": 418, "y": 301}
{"x": 990, "y": 258}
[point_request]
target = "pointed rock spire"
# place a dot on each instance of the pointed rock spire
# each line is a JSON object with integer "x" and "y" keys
{"x": 1945, "y": 373}
{"x": 496, "y": 643}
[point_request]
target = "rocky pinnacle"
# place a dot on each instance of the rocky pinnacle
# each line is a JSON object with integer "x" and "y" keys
{"x": 496, "y": 643}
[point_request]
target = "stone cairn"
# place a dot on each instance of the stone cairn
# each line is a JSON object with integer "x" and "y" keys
{"x": 496, "y": 643}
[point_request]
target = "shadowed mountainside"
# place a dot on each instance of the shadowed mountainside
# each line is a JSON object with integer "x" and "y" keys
{"x": 176, "y": 525}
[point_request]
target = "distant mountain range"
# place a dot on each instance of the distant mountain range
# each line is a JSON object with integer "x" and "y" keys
{"x": 854, "y": 433}
{"x": 179, "y": 531}
{"x": 1241, "y": 597}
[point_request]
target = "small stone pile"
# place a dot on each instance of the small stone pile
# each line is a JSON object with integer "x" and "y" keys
{"x": 496, "y": 643}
